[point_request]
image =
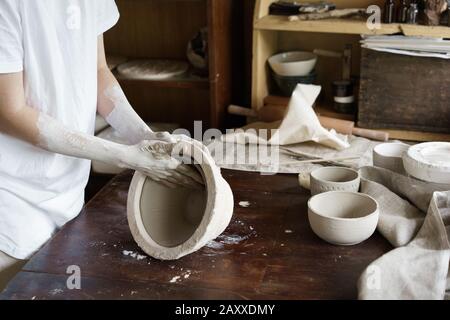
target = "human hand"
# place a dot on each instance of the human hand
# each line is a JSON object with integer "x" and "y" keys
{"x": 153, "y": 158}
{"x": 159, "y": 136}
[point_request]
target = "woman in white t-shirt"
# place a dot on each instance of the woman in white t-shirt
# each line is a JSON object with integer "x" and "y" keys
{"x": 53, "y": 80}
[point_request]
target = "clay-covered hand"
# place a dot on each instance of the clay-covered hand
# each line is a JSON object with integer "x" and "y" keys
{"x": 154, "y": 159}
{"x": 159, "y": 136}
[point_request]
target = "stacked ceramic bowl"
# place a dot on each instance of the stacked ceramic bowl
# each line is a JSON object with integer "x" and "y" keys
{"x": 292, "y": 68}
{"x": 337, "y": 213}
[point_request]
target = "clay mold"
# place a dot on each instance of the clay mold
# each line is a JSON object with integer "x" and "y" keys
{"x": 169, "y": 223}
{"x": 429, "y": 162}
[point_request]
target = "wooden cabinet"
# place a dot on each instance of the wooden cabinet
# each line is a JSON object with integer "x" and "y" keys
{"x": 161, "y": 29}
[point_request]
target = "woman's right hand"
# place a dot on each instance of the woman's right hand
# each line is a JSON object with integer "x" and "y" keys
{"x": 153, "y": 158}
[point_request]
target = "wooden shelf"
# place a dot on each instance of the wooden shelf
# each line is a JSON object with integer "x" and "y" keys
{"x": 348, "y": 26}
{"x": 416, "y": 135}
{"x": 188, "y": 82}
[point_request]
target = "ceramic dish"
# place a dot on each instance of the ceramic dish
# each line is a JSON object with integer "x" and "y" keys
{"x": 343, "y": 218}
{"x": 293, "y": 64}
{"x": 429, "y": 162}
{"x": 389, "y": 156}
{"x": 334, "y": 179}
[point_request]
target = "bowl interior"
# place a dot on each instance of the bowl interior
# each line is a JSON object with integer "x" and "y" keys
{"x": 391, "y": 149}
{"x": 171, "y": 215}
{"x": 292, "y": 57}
{"x": 333, "y": 174}
{"x": 436, "y": 153}
{"x": 343, "y": 205}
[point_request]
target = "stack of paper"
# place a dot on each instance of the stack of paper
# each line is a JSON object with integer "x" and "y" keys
{"x": 413, "y": 46}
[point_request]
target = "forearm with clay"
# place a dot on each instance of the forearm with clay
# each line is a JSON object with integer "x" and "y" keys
{"x": 44, "y": 131}
{"x": 30, "y": 125}
{"x": 114, "y": 107}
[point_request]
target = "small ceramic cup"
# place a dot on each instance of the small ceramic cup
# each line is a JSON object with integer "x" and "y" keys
{"x": 343, "y": 218}
{"x": 389, "y": 156}
{"x": 334, "y": 179}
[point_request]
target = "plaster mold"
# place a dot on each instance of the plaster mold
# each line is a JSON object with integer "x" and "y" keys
{"x": 429, "y": 162}
{"x": 169, "y": 223}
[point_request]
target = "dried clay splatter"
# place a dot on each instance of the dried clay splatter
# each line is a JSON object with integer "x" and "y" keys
{"x": 244, "y": 204}
{"x": 179, "y": 278}
{"x": 134, "y": 255}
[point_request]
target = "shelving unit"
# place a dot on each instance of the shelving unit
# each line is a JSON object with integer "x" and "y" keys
{"x": 273, "y": 34}
{"x": 161, "y": 29}
{"x": 347, "y": 26}
{"x": 185, "y": 82}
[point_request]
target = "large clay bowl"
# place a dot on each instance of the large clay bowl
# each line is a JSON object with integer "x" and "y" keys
{"x": 169, "y": 223}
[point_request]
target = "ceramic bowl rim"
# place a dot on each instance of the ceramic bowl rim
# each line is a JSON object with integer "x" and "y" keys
{"x": 413, "y": 150}
{"x": 385, "y": 156}
{"x": 366, "y": 217}
{"x": 358, "y": 176}
{"x": 273, "y": 58}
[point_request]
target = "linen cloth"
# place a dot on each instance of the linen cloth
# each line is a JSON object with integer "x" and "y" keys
{"x": 414, "y": 218}
{"x": 300, "y": 124}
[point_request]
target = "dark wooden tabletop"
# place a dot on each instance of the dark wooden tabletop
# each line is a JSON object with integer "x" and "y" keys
{"x": 268, "y": 252}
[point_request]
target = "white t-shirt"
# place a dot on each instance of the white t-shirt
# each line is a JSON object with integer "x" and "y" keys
{"x": 54, "y": 42}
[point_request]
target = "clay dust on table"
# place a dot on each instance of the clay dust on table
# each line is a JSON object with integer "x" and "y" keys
{"x": 244, "y": 204}
{"x": 134, "y": 255}
{"x": 184, "y": 276}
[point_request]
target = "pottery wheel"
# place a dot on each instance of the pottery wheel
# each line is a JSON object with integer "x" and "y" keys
{"x": 153, "y": 69}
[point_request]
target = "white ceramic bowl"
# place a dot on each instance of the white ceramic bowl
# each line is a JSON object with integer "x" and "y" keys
{"x": 429, "y": 162}
{"x": 334, "y": 179}
{"x": 294, "y": 63}
{"x": 389, "y": 156}
{"x": 343, "y": 218}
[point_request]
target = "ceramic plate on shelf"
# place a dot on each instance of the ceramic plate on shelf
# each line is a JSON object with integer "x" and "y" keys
{"x": 153, "y": 69}
{"x": 429, "y": 161}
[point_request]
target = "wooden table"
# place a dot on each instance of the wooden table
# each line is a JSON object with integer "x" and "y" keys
{"x": 268, "y": 252}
